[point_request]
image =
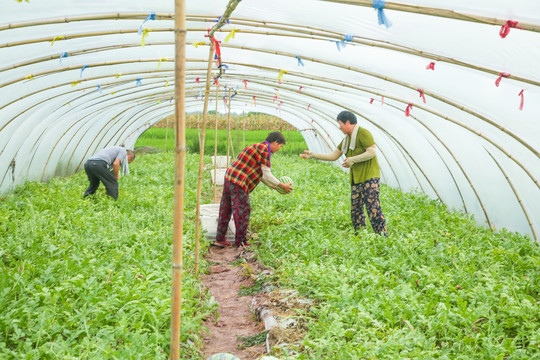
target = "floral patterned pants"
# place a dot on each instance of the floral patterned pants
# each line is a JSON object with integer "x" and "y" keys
{"x": 367, "y": 194}
{"x": 235, "y": 202}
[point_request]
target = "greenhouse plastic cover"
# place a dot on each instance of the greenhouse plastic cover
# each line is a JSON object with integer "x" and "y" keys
{"x": 448, "y": 88}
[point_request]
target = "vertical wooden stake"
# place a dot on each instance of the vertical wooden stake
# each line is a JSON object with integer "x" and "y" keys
{"x": 201, "y": 159}
{"x": 229, "y": 129}
{"x": 166, "y": 131}
{"x": 215, "y": 146}
{"x": 179, "y": 174}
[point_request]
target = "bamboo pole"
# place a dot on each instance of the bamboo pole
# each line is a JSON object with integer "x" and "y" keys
{"x": 215, "y": 146}
{"x": 201, "y": 157}
{"x": 166, "y": 131}
{"x": 243, "y": 130}
{"x": 179, "y": 176}
{"x": 229, "y": 128}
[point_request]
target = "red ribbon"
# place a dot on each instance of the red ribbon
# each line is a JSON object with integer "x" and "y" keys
{"x": 275, "y": 98}
{"x": 501, "y": 75}
{"x": 382, "y": 100}
{"x": 431, "y": 66}
{"x": 505, "y": 29}
{"x": 197, "y": 80}
{"x": 301, "y": 87}
{"x": 422, "y": 95}
{"x": 308, "y": 106}
{"x": 245, "y": 84}
{"x": 408, "y": 110}
{"x": 371, "y": 101}
{"x": 254, "y": 101}
{"x": 522, "y": 100}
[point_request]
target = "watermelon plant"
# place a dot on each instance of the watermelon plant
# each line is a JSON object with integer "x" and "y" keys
{"x": 91, "y": 278}
{"x": 440, "y": 286}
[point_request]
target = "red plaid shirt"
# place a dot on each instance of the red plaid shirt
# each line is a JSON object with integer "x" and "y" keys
{"x": 246, "y": 170}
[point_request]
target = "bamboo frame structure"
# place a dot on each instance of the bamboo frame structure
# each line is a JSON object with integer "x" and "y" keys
{"x": 179, "y": 177}
{"x": 201, "y": 159}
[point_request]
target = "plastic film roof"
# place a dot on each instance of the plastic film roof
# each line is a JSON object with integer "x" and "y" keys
{"x": 453, "y": 105}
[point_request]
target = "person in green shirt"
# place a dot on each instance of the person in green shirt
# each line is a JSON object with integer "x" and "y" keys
{"x": 360, "y": 153}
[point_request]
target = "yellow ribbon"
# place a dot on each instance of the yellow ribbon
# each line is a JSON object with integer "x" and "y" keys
{"x": 196, "y": 44}
{"x": 144, "y": 36}
{"x": 118, "y": 75}
{"x": 22, "y": 1}
{"x": 166, "y": 83}
{"x": 75, "y": 83}
{"x": 281, "y": 73}
{"x": 29, "y": 77}
{"x": 231, "y": 35}
{"x": 56, "y": 38}
{"x": 160, "y": 60}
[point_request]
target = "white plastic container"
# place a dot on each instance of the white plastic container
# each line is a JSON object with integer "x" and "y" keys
{"x": 220, "y": 176}
{"x": 220, "y": 162}
{"x": 209, "y": 220}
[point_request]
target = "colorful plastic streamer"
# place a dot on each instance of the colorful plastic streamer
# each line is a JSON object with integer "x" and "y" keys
{"x": 431, "y": 66}
{"x": 138, "y": 82}
{"x": 408, "y": 109}
{"x": 383, "y": 20}
{"x": 505, "y": 29}
{"x": 300, "y": 62}
{"x": 231, "y": 35}
{"x": 522, "y": 99}
{"x": 99, "y": 89}
{"x": 501, "y": 75}
{"x": 152, "y": 16}
{"x": 422, "y": 95}
{"x": 64, "y": 55}
{"x": 83, "y": 68}
{"x": 281, "y": 73}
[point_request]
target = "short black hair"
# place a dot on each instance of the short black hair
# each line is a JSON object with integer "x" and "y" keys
{"x": 276, "y": 136}
{"x": 345, "y": 116}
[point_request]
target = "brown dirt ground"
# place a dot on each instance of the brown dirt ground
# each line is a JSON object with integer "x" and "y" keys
{"x": 235, "y": 317}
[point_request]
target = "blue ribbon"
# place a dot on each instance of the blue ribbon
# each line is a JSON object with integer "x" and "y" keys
{"x": 337, "y": 44}
{"x": 138, "y": 82}
{"x": 99, "y": 89}
{"x": 349, "y": 37}
{"x": 300, "y": 62}
{"x": 64, "y": 55}
{"x": 383, "y": 20}
{"x": 225, "y": 67}
{"x": 200, "y": 93}
{"x": 152, "y": 16}
{"x": 84, "y": 67}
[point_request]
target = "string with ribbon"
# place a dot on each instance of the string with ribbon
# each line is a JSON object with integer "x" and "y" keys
{"x": 99, "y": 89}
{"x": 408, "y": 109}
{"x": 118, "y": 75}
{"x": 281, "y": 73}
{"x": 83, "y": 68}
{"x": 245, "y": 83}
{"x": 29, "y": 77}
{"x": 422, "y": 95}
{"x": 505, "y": 29}
{"x": 75, "y": 83}
{"x": 216, "y": 81}
{"x": 223, "y": 67}
{"x": 379, "y": 6}
{"x": 160, "y": 60}
{"x": 139, "y": 82}
{"x": 431, "y": 66}
{"x": 230, "y": 36}
{"x": 501, "y": 75}
{"x": 144, "y": 36}
{"x": 152, "y": 16}
{"x": 196, "y": 44}
{"x": 522, "y": 99}
{"x": 300, "y": 62}
{"x": 64, "y": 55}
{"x": 56, "y": 38}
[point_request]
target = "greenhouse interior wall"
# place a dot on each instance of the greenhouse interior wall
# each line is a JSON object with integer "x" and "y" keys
{"x": 449, "y": 89}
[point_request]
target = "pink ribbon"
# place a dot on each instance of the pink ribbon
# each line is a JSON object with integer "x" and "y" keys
{"x": 408, "y": 109}
{"x": 501, "y": 75}
{"x": 431, "y": 66}
{"x": 505, "y": 29}
{"x": 522, "y": 100}
{"x": 422, "y": 95}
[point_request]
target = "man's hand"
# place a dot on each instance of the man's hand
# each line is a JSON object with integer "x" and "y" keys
{"x": 285, "y": 187}
{"x": 307, "y": 155}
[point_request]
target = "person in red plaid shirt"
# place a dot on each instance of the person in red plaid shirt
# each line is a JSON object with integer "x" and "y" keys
{"x": 250, "y": 167}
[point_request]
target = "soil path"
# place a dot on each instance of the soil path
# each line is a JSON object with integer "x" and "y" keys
{"x": 235, "y": 317}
